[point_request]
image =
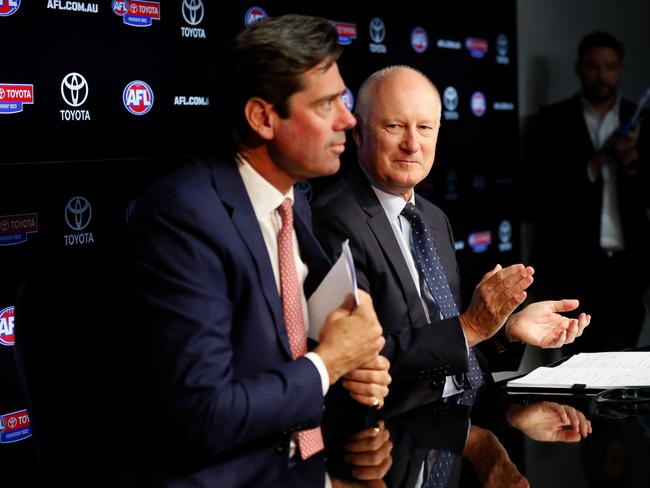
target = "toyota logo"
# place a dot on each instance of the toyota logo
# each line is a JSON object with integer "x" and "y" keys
{"x": 193, "y": 11}
{"x": 74, "y": 89}
{"x": 502, "y": 44}
{"x": 78, "y": 213}
{"x": 450, "y": 98}
{"x": 377, "y": 30}
{"x": 505, "y": 231}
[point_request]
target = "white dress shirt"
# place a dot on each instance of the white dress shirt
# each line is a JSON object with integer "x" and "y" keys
{"x": 266, "y": 199}
{"x": 393, "y": 206}
{"x": 600, "y": 129}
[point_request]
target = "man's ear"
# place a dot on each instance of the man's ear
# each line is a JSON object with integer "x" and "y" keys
{"x": 259, "y": 114}
{"x": 356, "y": 131}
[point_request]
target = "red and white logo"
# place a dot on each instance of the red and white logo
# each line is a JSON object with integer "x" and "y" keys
{"x": 7, "y": 326}
{"x": 138, "y": 97}
{"x": 419, "y": 40}
{"x": 479, "y": 104}
{"x": 9, "y": 7}
{"x": 14, "y": 427}
{"x": 14, "y": 95}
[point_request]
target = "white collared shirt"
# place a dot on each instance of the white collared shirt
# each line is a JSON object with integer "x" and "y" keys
{"x": 600, "y": 129}
{"x": 393, "y": 206}
{"x": 266, "y": 199}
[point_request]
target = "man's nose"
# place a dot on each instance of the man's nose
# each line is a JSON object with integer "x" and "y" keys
{"x": 410, "y": 143}
{"x": 345, "y": 120}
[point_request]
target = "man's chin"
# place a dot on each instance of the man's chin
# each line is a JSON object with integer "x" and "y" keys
{"x": 600, "y": 96}
{"x": 327, "y": 169}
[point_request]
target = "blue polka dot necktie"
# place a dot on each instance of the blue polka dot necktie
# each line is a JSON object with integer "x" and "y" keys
{"x": 438, "y": 465}
{"x": 433, "y": 274}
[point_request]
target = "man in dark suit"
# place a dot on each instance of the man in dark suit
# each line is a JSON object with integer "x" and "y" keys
{"x": 398, "y": 114}
{"x": 219, "y": 259}
{"x": 591, "y": 177}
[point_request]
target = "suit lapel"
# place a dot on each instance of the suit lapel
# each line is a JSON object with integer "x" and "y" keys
{"x": 310, "y": 251}
{"x": 230, "y": 188}
{"x": 380, "y": 226}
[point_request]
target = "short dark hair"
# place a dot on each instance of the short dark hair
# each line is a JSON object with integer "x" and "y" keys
{"x": 267, "y": 60}
{"x": 600, "y": 39}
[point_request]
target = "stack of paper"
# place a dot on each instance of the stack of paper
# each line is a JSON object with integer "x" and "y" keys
{"x": 601, "y": 370}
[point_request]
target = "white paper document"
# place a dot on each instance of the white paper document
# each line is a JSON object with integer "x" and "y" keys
{"x": 340, "y": 281}
{"x": 599, "y": 370}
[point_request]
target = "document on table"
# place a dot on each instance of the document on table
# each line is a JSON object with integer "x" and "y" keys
{"x": 340, "y": 281}
{"x": 600, "y": 370}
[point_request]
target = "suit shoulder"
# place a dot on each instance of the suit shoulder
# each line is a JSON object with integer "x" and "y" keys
{"x": 189, "y": 186}
{"x": 432, "y": 209}
{"x": 337, "y": 195}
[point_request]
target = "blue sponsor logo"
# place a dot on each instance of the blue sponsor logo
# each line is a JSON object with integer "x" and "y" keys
{"x": 138, "y": 13}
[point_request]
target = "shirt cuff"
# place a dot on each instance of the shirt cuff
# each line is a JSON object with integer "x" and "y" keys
{"x": 322, "y": 370}
{"x": 328, "y": 480}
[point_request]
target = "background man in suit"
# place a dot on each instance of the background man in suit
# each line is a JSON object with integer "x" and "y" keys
{"x": 220, "y": 257}
{"x": 398, "y": 114}
{"x": 591, "y": 199}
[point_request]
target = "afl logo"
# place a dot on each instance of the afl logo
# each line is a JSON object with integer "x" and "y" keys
{"x": 7, "y": 326}
{"x": 479, "y": 104}
{"x": 254, "y": 14}
{"x": 419, "y": 40}
{"x": 348, "y": 99}
{"x": 78, "y": 213}
{"x": 119, "y": 7}
{"x": 138, "y": 97}
{"x": 9, "y": 7}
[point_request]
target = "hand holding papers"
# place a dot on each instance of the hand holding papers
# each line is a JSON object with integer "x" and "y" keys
{"x": 339, "y": 282}
{"x": 601, "y": 370}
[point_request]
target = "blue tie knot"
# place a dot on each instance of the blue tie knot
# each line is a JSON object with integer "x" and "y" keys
{"x": 412, "y": 214}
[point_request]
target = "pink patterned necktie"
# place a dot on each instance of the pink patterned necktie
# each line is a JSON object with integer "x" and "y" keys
{"x": 309, "y": 441}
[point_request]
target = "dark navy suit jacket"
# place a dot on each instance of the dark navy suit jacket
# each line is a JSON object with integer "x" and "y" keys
{"x": 349, "y": 209}
{"x": 216, "y": 392}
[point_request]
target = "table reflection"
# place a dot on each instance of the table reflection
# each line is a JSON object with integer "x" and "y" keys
{"x": 493, "y": 440}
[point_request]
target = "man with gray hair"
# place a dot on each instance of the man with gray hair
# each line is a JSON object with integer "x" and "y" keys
{"x": 404, "y": 250}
